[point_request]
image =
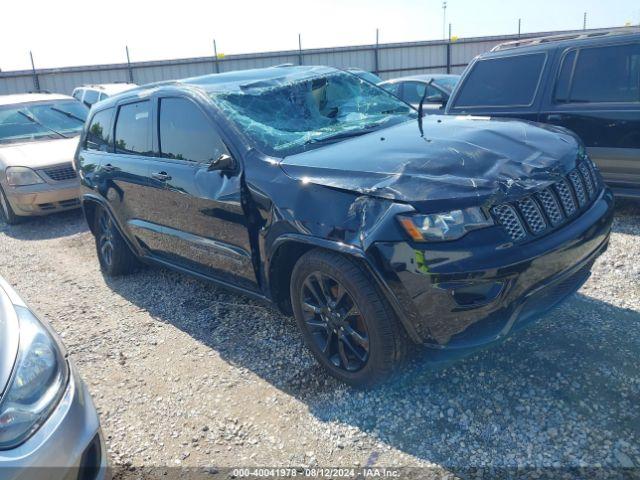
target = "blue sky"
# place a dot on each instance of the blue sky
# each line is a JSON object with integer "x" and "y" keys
{"x": 77, "y": 32}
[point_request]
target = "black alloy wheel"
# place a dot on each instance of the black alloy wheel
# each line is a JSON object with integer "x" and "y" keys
{"x": 105, "y": 238}
{"x": 335, "y": 322}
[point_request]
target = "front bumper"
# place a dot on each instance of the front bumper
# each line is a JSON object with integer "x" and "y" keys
{"x": 68, "y": 446}
{"x": 469, "y": 293}
{"x": 43, "y": 198}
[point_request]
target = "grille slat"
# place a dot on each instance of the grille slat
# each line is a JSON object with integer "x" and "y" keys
{"x": 60, "y": 173}
{"x": 566, "y": 197}
{"x": 548, "y": 201}
{"x": 578, "y": 187}
{"x": 508, "y": 218}
{"x": 588, "y": 181}
{"x": 551, "y": 207}
{"x": 532, "y": 215}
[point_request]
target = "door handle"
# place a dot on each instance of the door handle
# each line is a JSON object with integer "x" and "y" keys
{"x": 554, "y": 117}
{"x": 162, "y": 176}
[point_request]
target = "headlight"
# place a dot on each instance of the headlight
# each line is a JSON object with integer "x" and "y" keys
{"x": 438, "y": 227}
{"x": 20, "y": 176}
{"x": 39, "y": 378}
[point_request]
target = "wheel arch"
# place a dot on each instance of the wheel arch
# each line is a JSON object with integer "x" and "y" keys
{"x": 287, "y": 249}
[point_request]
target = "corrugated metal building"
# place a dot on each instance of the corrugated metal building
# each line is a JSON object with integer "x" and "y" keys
{"x": 388, "y": 60}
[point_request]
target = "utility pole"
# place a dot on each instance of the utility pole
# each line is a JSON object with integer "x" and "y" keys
{"x": 36, "y": 81}
{"x": 376, "y": 60}
{"x": 215, "y": 52}
{"x": 444, "y": 20}
{"x": 129, "y": 64}
{"x": 299, "y": 49}
{"x": 519, "y": 26}
{"x": 584, "y": 21}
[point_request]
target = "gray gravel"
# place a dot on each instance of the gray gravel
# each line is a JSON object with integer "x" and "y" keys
{"x": 187, "y": 374}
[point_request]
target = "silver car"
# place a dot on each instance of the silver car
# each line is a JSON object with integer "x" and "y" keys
{"x": 48, "y": 424}
{"x": 39, "y": 135}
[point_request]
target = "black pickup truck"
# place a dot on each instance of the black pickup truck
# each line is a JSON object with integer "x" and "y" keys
{"x": 588, "y": 82}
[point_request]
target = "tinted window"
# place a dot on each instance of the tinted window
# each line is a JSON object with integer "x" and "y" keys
{"x": 103, "y": 96}
{"x": 607, "y": 74}
{"x": 91, "y": 97}
{"x": 564, "y": 78}
{"x": 99, "y": 131}
{"x": 500, "y": 82}
{"x": 186, "y": 134}
{"x": 78, "y": 94}
{"x": 132, "y": 129}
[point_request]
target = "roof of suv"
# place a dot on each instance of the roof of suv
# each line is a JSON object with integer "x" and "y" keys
{"x": 236, "y": 80}
{"x": 31, "y": 97}
{"x": 552, "y": 41}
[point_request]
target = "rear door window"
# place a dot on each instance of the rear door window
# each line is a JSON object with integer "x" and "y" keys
{"x": 186, "y": 133}
{"x": 133, "y": 129}
{"x": 606, "y": 74}
{"x": 502, "y": 82}
{"x": 99, "y": 131}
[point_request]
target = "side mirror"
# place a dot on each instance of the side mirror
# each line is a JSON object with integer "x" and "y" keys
{"x": 223, "y": 163}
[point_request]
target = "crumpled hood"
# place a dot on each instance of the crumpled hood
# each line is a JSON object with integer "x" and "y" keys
{"x": 474, "y": 159}
{"x": 38, "y": 154}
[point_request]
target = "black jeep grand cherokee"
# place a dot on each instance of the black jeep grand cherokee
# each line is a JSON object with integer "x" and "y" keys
{"x": 325, "y": 194}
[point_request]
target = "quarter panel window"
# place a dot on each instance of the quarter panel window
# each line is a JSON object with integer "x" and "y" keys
{"x": 133, "y": 128}
{"x": 502, "y": 82}
{"x": 607, "y": 74}
{"x": 186, "y": 133}
{"x": 99, "y": 131}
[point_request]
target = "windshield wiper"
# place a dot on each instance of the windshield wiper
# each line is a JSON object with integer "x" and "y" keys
{"x": 31, "y": 118}
{"x": 68, "y": 114}
{"x": 343, "y": 135}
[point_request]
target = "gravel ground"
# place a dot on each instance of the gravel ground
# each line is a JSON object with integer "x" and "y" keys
{"x": 187, "y": 374}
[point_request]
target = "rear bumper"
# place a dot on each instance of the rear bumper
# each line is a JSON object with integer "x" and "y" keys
{"x": 68, "y": 446}
{"x": 43, "y": 198}
{"x": 460, "y": 298}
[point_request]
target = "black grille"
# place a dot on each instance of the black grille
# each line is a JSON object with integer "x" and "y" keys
{"x": 60, "y": 172}
{"x": 508, "y": 218}
{"x": 551, "y": 207}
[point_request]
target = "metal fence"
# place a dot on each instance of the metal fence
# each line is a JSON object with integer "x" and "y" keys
{"x": 387, "y": 60}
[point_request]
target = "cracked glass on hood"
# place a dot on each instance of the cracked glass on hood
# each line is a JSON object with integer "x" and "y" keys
{"x": 306, "y": 109}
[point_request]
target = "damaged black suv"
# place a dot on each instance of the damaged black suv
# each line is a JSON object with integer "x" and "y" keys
{"x": 325, "y": 194}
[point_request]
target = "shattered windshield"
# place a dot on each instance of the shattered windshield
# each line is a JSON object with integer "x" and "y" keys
{"x": 43, "y": 120}
{"x": 292, "y": 114}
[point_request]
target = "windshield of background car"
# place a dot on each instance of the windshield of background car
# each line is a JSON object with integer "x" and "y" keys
{"x": 447, "y": 83}
{"x": 298, "y": 112}
{"x": 40, "y": 121}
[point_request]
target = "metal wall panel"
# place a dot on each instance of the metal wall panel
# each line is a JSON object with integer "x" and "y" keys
{"x": 394, "y": 60}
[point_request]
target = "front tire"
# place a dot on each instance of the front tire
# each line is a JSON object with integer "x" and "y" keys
{"x": 8, "y": 215}
{"x": 115, "y": 256}
{"x": 345, "y": 320}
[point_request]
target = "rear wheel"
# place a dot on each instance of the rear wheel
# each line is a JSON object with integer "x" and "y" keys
{"x": 8, "y": 215}
{"x": 116, "y": 258}
{"x": 345, "y": 321}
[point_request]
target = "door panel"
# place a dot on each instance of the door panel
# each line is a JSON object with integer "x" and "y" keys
{"x": 612, "y": 137}
{"x": 204, "y": 227}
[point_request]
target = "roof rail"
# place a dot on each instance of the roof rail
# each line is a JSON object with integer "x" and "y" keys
{"x": 564, "y": 36}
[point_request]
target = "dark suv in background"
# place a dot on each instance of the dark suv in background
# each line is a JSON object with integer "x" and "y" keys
{"x": 588, "y": 83}
{"x": 329, "y": 196}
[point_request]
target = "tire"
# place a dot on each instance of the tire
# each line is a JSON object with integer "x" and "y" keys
{"x": 356, "y": 315}
{"x": 6, "y": 212}
{"x": 115, "y": 256}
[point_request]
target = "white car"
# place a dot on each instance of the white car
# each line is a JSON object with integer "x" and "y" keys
{"x": 39, "y": 134}
{"x": 90, "y": 94}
